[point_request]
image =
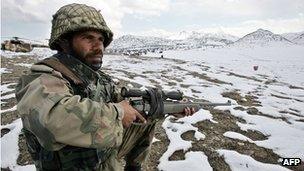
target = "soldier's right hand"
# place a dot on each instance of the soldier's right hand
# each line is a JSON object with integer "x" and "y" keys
{"x": 130, "y": 114}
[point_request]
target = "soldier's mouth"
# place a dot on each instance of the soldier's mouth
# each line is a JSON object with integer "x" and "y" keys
{"x": 95, "y": 59}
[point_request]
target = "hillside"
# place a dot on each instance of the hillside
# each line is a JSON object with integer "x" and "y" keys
{"x": 299, "y": 39}
{"x": 262, "y": 37}
{"x": 182, "y": 40}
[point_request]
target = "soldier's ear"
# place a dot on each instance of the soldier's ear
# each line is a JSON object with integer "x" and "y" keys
{"x": 64, "y": 45}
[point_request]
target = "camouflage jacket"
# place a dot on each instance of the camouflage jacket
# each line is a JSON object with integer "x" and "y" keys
{"x": 60, "y": 113}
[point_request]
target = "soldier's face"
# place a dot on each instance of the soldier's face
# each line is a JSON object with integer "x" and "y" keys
{"x": 88, "y": 46}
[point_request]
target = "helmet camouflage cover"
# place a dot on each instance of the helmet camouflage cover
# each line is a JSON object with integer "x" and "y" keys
{"x": 76, "y": 17}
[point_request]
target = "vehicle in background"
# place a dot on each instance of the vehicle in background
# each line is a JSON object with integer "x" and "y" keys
{"x": 17, "y": 45}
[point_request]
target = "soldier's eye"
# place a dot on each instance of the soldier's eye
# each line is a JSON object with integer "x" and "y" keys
{"x": 87, "y": 37}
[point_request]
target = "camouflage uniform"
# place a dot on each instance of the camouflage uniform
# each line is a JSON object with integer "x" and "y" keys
{"x": 77, "y": 126}
{"x": 71, "y": 116}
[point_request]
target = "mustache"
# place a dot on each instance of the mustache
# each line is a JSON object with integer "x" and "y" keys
{"x": 95, "y": 53}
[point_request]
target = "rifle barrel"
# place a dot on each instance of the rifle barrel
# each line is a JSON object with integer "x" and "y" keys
{"x": 171, "y": 108}
{"x": 178, "y": 107}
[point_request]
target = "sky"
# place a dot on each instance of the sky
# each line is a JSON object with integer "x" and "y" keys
{"x": 32, "y": 18}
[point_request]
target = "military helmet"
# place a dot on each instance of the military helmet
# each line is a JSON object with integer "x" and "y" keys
{"x": 77, "y": 17}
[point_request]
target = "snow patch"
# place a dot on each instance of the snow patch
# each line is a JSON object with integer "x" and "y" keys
{"x": 9, "y": 144}
{"x": 194, "y": 161}
{"x": 240, "y": 162}
{"x": 235, "y": 135}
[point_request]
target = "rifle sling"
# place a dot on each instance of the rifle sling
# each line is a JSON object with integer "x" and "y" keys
{"x": 65, "y": 71}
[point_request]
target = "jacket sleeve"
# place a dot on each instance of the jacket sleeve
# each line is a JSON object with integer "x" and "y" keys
{"x": 51, "y": 112}
{"x": 117, "y": 95}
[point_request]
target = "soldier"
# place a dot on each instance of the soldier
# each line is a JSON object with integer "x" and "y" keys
{"x": 73, "y": 116}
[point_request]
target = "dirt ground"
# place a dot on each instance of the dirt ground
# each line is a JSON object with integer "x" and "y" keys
{"x": 214, "y": 131}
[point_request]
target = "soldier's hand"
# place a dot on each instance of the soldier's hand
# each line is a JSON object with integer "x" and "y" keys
{"x": 187, "y": 112}
{"x": 130, "y": 114}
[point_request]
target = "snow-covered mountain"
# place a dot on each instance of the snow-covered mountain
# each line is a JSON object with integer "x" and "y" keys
{"x": 138, "y": 42}
{"x": 131, "y": 44}
{"x": 261, "y": 37}
{"x": 196, "y": 34}
{"x": 299, "y": 39}
{"x": 180, "y": 36}
{"x": 205, "y": 39}
{"x": 181, "y": 40}
{"x": 292, "y": 36}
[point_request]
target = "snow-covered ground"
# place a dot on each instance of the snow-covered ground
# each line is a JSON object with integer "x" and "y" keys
{"x": 285, "y": 65}
{"x": 39, "y": 52}
{"x": 278, "y": 84}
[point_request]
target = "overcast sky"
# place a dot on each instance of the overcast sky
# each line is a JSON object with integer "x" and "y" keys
{"x": 32, "y": 18}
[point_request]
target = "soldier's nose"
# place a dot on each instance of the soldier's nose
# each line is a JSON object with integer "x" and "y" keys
{"x": 98, "y": 46}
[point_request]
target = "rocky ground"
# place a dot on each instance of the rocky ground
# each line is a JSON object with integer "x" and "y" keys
{"x": 214, "y": 132}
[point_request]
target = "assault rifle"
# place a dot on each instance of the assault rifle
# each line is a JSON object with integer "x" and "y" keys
{"x": 141, "y": 101}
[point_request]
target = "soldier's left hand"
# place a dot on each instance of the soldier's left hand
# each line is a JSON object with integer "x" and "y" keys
{"x": 187, "y": 112}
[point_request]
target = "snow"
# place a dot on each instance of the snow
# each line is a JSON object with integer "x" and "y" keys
{"x": 291, "y": 36}
{"x": 9, "y": 144}
{"x": 9, "y": 109}
{"x": 236, "y": 135}
{"x": 5, "y": 88}
{"x": 37, "y": 51}
{"x": 174, "y": 132}
{"x": 261, "y": 38}
{"x": 5, "y": 70}
{"x": 181, "y": 40}
{"x": 8, "y": 96}
{"x": 299, "y": 39}
{"x": 284, "y": 139}
{"x": 240, "y": 162}
{"x": 193, "y": 161}
{"x": 24, "y": 64}
{"x": 272, "y": 62}
{"x": 198, "y": 116}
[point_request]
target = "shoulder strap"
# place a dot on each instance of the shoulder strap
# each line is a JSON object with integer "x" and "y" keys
{"x": 65, "y": 71}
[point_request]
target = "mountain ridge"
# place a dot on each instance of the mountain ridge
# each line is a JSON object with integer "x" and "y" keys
{"x": 261, "y": 37}
{"x": 194, "y": 40}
